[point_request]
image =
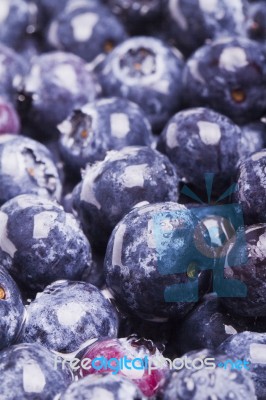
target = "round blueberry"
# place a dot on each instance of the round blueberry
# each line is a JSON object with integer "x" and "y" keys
{"x": 147, "y": 72}
{"x": 43, "y": 241}
{"x": 66, "y": 314}
{"x": 205, "y": 383}
{"x": 253, "y": 138}
{"x": 191, "y": 23}
{"x": 56, "y": 84}
{"x": 151, "y": 264}
{"x": 199, "y": 141}
{"x": 256, "y": 21}
{"x": 27, "y": 167}
{"x": 252, "y": 273}
{"x": 106, "y": 386}
{"x": 229, "y": 76}
{"x": 111, "y": 187}
{"x": 251, "y": 192}
{"x": 86, "y": 29}
{"x": 249, "y": 346}
{"x": 28, "y": 372}
{"x": 97, "y": 127}
{"x": 12, "y": 311}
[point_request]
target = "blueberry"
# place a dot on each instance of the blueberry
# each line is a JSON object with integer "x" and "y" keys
{"x": 252, "y": 187}
{"x": 198, "y": 141}
{"x": 43, "y": 242}
{"x": 191, "y": 23}
{"x": 150, "y": 265}
{"x": 256, "y": 21}
{"x": 138, "y": 15}
{"x": 86, "y": 29}
{"x": 9, "y": 119}
{"x": 252, "y": 274}
{"x": 27, "y": 167}
{"x": 147, "y": 72}
{"x": 149, "y": 382}
{"x": 253, "y": 138}
{"x": 229, "y": 76}
{"x": 28, "y": 372}
{"x": 66, "y": 314}
{"x": 17, "y": 19}
{"x": 251, "y": 347}
{"x": 205, "y": 384}
{"x": 206, "y": 326}
{"x": 13, "y": 68}
{"x": 103, "y": 387}
{"x": 57, "y": 83}
{"x": 12, "y": 311}
{"x": 110, "y": 188}
{"x": 97, "y": 127}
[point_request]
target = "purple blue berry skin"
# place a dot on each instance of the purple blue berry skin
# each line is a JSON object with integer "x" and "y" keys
{"x": 252, "y": 187}
{"x": 113, "y": 387}
{"x": 253, "y": 139}
{"x": 191, "y": 23}
{"x": 202, "y": 384}
{"x": 42, "y": 241}
{"x": 9, "y": 119}
{"x": 252, "y": 273}
{"x": 256, "y": 21}
{"x": 132, "y": 263}
{"x": 147, "y": 72}
{"x": 249, "y": 346}
{"x": 110, "y": 188}
{"x": 13, "y": 69}
{"x": 107, "y": 124}
{"x": 12, "y": 312}
{"x": 66, "y": 314}
{"x": 57, "y": 83}
{"x": 17, "y": 19}
{"x": 198, "y": 141}
{"x": 28, "y": 372}
{"x": 87, "y": 29}
{"x": 229, "y": 76}
{"x": 27, "y": 167}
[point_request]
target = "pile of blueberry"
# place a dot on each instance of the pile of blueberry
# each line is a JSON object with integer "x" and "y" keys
{"x": 133, "y": 199}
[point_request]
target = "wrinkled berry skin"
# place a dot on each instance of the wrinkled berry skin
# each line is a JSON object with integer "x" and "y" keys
{"x": 13, "y": 68}
{"x": 109, "y": 386}
{"x": 252, "y": 274}
{"x": 57, "y": 83}
{"x": 110, "y": 188}
{"x": 191, "y": 23}
{"x": 204, "y": 383}
{"x": 88, "y": 29}
{"x": 253, "y": 139}
{"x": 28, "y": 372}
{"x": 9, "y": 119}
{"x": 198, "y": 141}
{"x": 246, "y": 345}
{"x": 107, "y": 124}
{"x": 132, "y": 347}
{"x": 12, "y": 311}
{"x": 229, "y": 76}
{"x": 251, "y": 192}
{"x": 17, "y": 19}
{"x": 43, "y": 242}
{"x": 147, "y": 72}
{"x": 256, "y": 21}
{"x": 206, "y": 326}
{"x": 27, "y": 167}
{"x": 66, "y": 314}
{"x": 137, "y": 267}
